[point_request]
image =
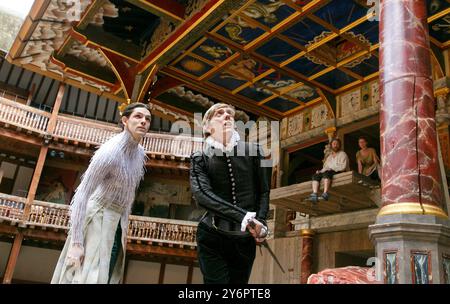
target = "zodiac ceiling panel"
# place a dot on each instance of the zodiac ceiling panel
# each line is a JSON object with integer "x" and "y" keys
{"x": 281, "y": 54}
{"x": 304, "y": 31}
{"x": 240, "y": 31}
{"x": 213, "y": 51}
{"x": 342, "y": 12}
{"x": 277, "y": 50}
{"x": 268, "y": 12}
{"x": 335, "y": 79}
{"x": 281, "y": 104}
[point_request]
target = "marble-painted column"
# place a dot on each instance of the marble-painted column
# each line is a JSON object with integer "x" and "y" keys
{"x": 412, "y": 232}
{"x": 307, "y": 255}
{"x": 411, "y": 183}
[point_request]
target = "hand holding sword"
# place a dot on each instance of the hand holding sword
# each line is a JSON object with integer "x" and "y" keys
{"x": 259, "y": 231}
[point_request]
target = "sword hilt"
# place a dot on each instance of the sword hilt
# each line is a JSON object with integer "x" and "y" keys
{"x": 264, "y": 230}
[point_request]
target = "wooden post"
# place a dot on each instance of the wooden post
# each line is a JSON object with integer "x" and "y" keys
{"x": 125, "y": 270}
{"x": 189, "y": 275}
{"x": 35, "y": 181}
{"x": 307, "y": 255}
{"x": 162, "y": 270}
{"x": 31, "y": 94}
{"x": 285, "y": 168}
{"x": 12, "y": 259}
{"x": 56, "y": 106}
{"x": 43, "y": 153}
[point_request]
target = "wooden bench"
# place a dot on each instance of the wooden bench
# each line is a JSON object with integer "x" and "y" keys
{"x": 349, "y": 191}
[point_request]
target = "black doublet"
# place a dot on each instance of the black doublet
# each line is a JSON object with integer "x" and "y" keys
{"x": 228, "y": 185}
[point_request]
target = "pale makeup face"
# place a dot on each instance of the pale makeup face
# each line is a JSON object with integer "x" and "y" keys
{"x": 362, "y": 143}
{"x": 221, "y": 125}
{"x": 138, "y": 123}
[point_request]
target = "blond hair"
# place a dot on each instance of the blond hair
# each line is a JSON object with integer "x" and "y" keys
{"x": 210, "y": 113}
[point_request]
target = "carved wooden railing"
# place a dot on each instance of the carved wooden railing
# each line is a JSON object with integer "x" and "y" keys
{"x": 86, "y": 131}
{"x": 82, "y": 130}
{"x": 11, "y": 207}
{"x": 22, "y": 116}
{"x": 45, "y": 214}
{"x": 174, "y": 145}
{"x": 162, "y": 230}
{"x": 141, "y": 228}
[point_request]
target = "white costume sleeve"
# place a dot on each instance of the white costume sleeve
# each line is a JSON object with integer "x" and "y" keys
{"x": 97, "y": 170}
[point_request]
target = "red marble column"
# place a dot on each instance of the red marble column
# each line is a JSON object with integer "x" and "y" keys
{"x": 307, "y": 255}
{"x": 411, "y": 181}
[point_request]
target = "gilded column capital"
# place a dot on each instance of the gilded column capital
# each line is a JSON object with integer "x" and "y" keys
{"x": 307, "y": 233}
{"x": 331, "y": 132}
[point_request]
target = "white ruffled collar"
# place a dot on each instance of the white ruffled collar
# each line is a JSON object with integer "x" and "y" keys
{"x": 230, "y": 146}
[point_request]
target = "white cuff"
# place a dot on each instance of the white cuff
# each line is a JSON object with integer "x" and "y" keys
{"x": 248, "y": 216}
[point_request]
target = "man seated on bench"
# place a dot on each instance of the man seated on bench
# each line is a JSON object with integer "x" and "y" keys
{"x": 335, "y": 162}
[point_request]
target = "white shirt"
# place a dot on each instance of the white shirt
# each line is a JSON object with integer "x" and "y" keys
{"x": 337, "y": 162}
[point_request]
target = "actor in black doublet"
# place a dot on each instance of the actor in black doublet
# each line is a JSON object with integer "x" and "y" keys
{"x": 230, "y": 183}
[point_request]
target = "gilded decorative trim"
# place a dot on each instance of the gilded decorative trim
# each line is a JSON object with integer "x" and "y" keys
{"x": 412, "y": 208}
{"x": 307, "y": 233}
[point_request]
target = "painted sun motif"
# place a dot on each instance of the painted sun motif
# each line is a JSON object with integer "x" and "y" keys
{"x": 193, "y": 65}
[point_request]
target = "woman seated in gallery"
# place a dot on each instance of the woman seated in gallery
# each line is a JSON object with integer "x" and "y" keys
{"x": 367, "y": 159}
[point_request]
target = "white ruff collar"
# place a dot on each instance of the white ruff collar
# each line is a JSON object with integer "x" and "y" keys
{"x": 231, "y": 144}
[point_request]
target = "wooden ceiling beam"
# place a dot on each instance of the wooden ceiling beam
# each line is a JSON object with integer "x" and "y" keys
{"x": 168, "y": 9}
{"x": 164, "y": 84}
{"x": 209, "y": 90}
{"x": 125, "y": 74}
{"x": 269, "y": 63}
{"x": 85, "y": 69}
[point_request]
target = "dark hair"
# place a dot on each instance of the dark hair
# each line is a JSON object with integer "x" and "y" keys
{"x": 363, "y": 137}
{"x": 130, "y": 108}
{"x": 336, "y": 139}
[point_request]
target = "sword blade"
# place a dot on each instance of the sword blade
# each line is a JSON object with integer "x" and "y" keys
{"x": 265, "y": 244}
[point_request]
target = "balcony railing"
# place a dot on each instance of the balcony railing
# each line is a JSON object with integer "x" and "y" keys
{"x": 11, "y": 207}
{"x": 22, "y": 116}
{"x": 159, "y": 230}
{"x": 82, "y": 130}
{"x": 140, "y": 228}
{"x": 92, "y": 133}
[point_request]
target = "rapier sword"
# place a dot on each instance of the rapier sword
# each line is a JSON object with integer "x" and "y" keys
{"x": 266, "y": 245}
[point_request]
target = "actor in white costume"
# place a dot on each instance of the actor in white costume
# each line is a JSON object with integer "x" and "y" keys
{"x": 94, "y": 251}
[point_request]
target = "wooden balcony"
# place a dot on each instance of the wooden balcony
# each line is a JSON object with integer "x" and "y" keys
{"x": 55, "y": 218}
{"x": 349, "y": 191}
{"x": 88, "y": 133}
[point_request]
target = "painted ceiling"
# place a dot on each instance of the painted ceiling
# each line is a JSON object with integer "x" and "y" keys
{"x": 267, "y": 57}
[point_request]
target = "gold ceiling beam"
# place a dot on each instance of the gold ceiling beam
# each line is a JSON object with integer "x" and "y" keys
{"x": 168, "y": 9}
